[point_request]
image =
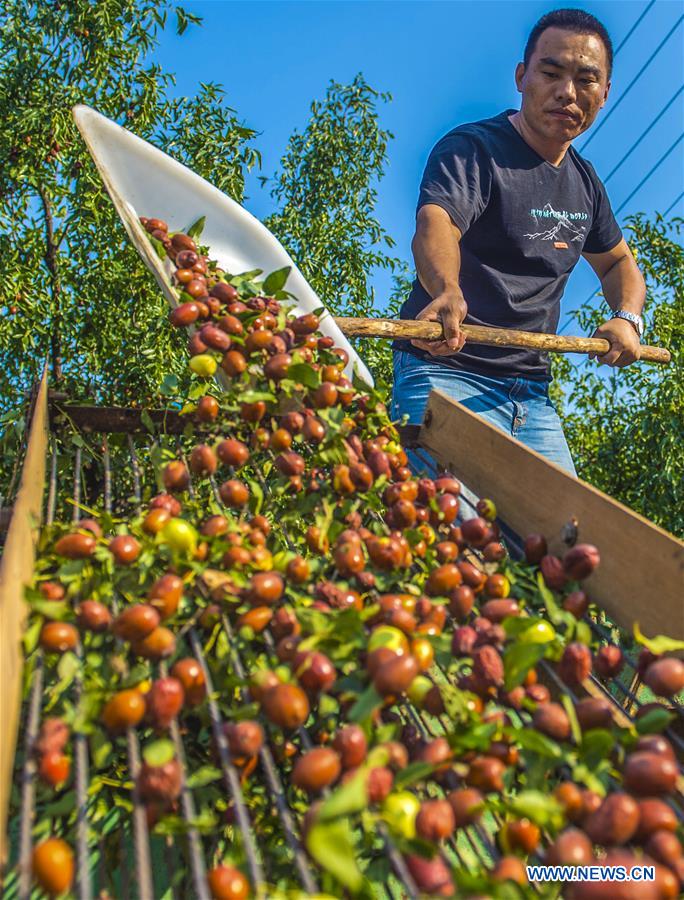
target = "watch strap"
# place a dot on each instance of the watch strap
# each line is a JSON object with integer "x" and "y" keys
{"x": 632, "y": 318}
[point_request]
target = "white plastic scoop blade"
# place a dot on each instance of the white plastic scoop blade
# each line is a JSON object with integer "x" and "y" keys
{"x": 144, "y": 181}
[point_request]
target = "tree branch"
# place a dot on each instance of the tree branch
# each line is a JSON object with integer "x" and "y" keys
{"x": 51, "y": 262}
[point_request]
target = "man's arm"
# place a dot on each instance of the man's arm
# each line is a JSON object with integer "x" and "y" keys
{"x": 624, "y": 288}
{"x": 437, "y": 256}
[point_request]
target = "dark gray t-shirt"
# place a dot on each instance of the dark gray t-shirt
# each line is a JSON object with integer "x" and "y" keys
{"x": 524, "y": 224}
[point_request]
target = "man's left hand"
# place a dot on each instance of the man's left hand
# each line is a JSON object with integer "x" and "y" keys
{"x": 625, "y": 347}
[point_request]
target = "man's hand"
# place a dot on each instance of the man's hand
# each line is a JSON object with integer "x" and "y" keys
{"x": 450, "y": 309}
{"x": 625, "y": 347}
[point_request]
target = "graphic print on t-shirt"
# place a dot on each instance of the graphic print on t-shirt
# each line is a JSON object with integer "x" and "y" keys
{"x": 563, "y": 220}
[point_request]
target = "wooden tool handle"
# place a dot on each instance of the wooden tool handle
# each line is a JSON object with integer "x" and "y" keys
{"x": 405, "y": 329}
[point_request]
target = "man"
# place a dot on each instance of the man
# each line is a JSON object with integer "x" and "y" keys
{"x": 506, "y": 207}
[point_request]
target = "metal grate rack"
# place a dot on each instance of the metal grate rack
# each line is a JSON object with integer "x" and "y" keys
{"x": 149, "y": 865}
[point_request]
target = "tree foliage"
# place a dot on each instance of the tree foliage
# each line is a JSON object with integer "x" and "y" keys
{"x": 73, "y": 290}
{"x": 626, "y": 427}
{"x": 326, "y": 190}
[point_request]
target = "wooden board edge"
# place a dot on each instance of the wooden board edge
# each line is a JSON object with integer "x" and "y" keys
{"x": 16, "y": 570}
{"x": 654, "y": 598}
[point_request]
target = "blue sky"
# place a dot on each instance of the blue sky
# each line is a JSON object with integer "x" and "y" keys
{"x": 444, "y": 63}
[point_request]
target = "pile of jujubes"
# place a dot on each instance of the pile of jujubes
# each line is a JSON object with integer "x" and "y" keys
{"x": 365, "y": 609}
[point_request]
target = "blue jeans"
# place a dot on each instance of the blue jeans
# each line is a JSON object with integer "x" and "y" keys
{"x": 519, "y": 407}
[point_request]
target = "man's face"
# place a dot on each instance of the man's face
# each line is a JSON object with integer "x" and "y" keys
{"x": 565, "y": 84}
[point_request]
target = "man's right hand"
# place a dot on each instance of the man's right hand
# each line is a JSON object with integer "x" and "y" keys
{"x": 450, "y": 309}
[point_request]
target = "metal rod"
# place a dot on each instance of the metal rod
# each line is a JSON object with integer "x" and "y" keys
{"x": 81, "y": 776}
{"x": 28, "y": 781}
{"x": 141, "y": 843}
{"x": 106, "y": 461}
{"x": 199, "y": 873}
{"x": 266, "y": 758}
{"x": 395, "y": 857}
{"x": 230, "y": 775}
{"x": 141, "y": 837}
{"x": 135, "y": 464}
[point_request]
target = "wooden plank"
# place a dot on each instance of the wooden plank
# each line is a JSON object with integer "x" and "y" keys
{"x": 641, "y": 575}
{"x": 16, "y": 570}
{"x": 404, "y": 329}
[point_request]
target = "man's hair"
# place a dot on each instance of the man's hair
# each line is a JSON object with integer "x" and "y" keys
{"x": 576, "y": 20}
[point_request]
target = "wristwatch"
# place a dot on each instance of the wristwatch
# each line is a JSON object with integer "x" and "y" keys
{"x": 635, "y": 320}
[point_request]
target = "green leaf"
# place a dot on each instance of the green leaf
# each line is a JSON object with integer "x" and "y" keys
{"x": 350, "y": 798}
{"x": 572, "y": 716}
{"x": 203, "y": 776}
{"x": 160, "y": 752}
{"x": 542, "y": 809}
{"x": 457, "y": 703}
{"x": 518, "y": 659}
{"x": 557, "y": 615}
{"x": 31, "y": 636}
{"x": 331, "y": 845}
{"x": 169, "y": 386}
{"x": 197, "y": 227}
{"x": 412, "y": 774}
{"x": 246, "y": 276}
{"x": 146, "y": 419}
{"x": 67, "y": 667}
{"x": 583, "y": 633}
{"x": 654, "y": 721}
{"x": 658, "y": 645}
{"x": 100, "y": 748}
{"x": 52, "y": 609}
{"x": 366, "y": 705}
{"x": 60, "y": 807}
{"x": 303, "y": 373}
{"x": 276, "y": 280}
{"x": 257, "y": 496}
{"x": 254, "y": 396}
{"x": 478, "y": 737}
{"x": 532, "y": 740}
{"x": 595, "y": 778}
{"x": 158, "y": 246}
{"x": 596, "y": 745}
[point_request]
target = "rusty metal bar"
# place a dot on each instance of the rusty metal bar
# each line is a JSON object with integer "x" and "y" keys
{"x": 116, "y": 419}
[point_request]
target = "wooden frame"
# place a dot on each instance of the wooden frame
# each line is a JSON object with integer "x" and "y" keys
{"x": 641, "y": 575}
{"x": 16, "y": 570}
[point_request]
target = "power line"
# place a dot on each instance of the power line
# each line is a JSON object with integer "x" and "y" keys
{"x": 627, "y": 199}
{"x": 673, "y": 204}
{"x": 649, "y": 173}
{"x": 643, "y": 134}
{"x": 632, "y": 83}
{"x": 633, "y": 29}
